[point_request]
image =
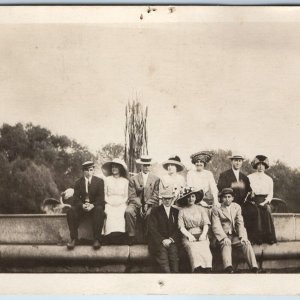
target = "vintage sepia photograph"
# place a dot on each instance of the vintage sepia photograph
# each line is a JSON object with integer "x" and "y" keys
{"x": 138, "y": 141}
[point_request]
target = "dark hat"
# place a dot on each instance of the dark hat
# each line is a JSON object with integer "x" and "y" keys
{"x": 117, "y": 161}
{"x": 226, "y": 191}
{"x": 88, "y": 164}
{"x": 260, "y": 159}
{"x": 175, "y": 160}
{"x": 186, "y": 192}
{"x": 236, "y": 156}
{"x": 203, "y": 156}
{"x": 144, "y": 160}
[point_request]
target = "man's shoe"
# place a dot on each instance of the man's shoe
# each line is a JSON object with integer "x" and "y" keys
{"x": 254, "y": 270}
{"x": 71, "y": 245}
{"x": 229, "y": 270}
{"x": 96, "y": 245}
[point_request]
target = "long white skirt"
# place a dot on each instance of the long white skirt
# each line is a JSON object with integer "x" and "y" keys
{"x": 115, "y": 220}
{"x": 199, "y": 253}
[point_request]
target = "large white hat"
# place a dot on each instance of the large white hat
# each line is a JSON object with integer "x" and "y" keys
{"x": 107, "y": 167}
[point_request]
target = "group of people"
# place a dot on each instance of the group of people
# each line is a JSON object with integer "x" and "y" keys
{"x": 195, "y": 213}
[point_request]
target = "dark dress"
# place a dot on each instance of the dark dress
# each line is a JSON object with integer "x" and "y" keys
{"x": 258, "y": 219}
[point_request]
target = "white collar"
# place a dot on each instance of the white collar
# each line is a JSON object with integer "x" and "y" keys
{"x": 167, "y": 210}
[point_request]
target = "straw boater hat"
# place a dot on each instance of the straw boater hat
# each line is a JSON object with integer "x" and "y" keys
{"x": 236, "y": 156}
{"x": 144, "y": 160}
{"x": 203, "y": 156}
{"x": 175, "y": 160}
{"x": 167, "y": 193}
{"x": 226, "y": 191}
{"x": 116, "y": 161}
{"x": 182, "y": 200}
{"x": 260, "y": 159}
{"x": 88, "y": 164}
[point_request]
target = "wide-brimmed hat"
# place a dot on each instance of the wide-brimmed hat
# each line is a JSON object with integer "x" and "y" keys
{"x": 203, "y": 156}
{"x": 144, "y": 160}
{"x": 174, "y": 160}
{"x": 106, "y": 167}
{"x": 260, "y": 159}
{"x": 236, "y": 156}
{"x": 226, "y": 191}
{"x": 186, "y": 192}
{"x": 87, "y": 164}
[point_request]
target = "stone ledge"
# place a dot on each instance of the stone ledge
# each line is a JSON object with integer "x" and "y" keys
{"x": 122, "y": 254}
{"x": 41, "y": 229}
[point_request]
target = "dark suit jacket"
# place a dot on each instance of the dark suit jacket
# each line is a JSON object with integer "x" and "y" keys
{"x": 96, "y": 192}
{"x": 227, "y": 180}
{"x": 161, "y": 227}
{"x": 136, "y": 188}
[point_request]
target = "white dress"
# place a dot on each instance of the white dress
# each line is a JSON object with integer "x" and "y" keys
{"x": 193, "y": 219}
{"x": 205, "y": 181}
{"x": 116, "y": 196}
{"x": 175, "y": 182}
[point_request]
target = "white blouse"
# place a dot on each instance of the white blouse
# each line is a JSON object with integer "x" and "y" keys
{"x": 262, "y": 184}
{"x": 174, "y": 182}
{"x": 205, "y": 181}
{"x": 116, "y": 190}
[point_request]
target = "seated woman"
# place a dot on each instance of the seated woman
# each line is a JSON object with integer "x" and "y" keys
{"x": 116, "y": 196}
{"x": 172, "y": 180}
{"x": 201, "y": 179}
{"x": 257, "y": 210}
{"x": 193, "y": 222}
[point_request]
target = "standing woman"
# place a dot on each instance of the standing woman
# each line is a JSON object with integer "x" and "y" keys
{"x": 116, "y": 197}
{"x": 172, "y": 181}
{"x": 257, "y": 210}
{"x": 202, "y": 179}
{"x": 193, "y": 222}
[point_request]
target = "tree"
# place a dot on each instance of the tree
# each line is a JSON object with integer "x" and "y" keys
{"x": 36, "y": 164}
{"x": 136, "y": 136}
{"x": 109, "y": 152}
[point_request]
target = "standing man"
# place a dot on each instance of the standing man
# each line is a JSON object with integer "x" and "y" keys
{"x": 88, "y": 199}
{"x": 142, "y": 196}
{"x": 164, "y": 233}
{"x": 228, "y": 227}
{"x": 236, "y": 180}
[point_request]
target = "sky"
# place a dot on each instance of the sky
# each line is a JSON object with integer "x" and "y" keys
{"x": 211, "y": 79}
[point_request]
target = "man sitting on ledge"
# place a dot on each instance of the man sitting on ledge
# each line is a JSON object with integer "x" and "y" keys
{"x": 164, "y": 233}
{"x": 88, "y": 199}
{"x": 228, "y": 227}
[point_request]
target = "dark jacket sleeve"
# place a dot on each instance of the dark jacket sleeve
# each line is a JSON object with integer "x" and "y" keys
{"x": 77, "y": 201}
{"x": 222, "y": 182}
{"x": 155, "y": 236}
{"x": 176, "y": 234}
{"x": 100, "y": 195}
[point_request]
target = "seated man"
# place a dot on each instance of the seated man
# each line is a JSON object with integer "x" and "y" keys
{"x": 228, "y": 227}
{"x": 142, "y": 196}
{"x": 164, "y": 233}
{"x": 88, "y": 199}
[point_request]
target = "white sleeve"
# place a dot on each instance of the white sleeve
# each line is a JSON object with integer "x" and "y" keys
{"x": 270, "y": 190}
{"x": 213, "y": 187}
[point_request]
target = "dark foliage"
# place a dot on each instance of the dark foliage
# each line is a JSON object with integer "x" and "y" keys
{"x": 35, "y": 164}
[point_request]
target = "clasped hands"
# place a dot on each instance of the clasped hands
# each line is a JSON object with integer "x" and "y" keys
{"x": 202, "y": 237}
{"x": 227, "y": 241}
{"x": 166, "y": 243}
{"x": 87, "y": 206}
{"x": 261, "y": 204}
